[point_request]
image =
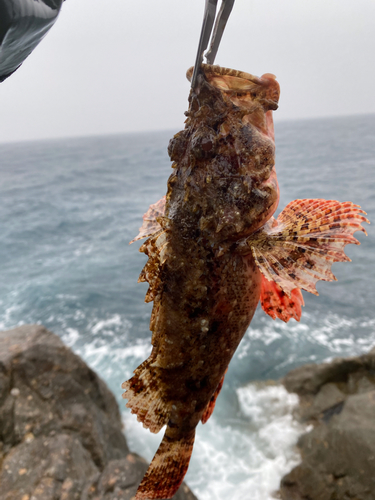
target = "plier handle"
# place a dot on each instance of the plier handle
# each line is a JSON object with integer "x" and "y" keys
{"x": 218, "y": 30}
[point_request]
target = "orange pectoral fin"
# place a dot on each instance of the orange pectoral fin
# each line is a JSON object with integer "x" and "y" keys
{"x": 150, "y": 223}
{"x": 299, "y": 248}
{"x": 277, "y": 304}
{"x": 211, "y": 404}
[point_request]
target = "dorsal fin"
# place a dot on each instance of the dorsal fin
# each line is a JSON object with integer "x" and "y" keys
{"x": 299, "y": 248}
{"x": 155, "y": 248}
{"x": 150, "y": 220}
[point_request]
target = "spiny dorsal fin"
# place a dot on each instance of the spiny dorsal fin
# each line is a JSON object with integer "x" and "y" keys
{"x": 144, "y": 393}
{"x": 155, "y": 248}
{"x": 150, "y": 223}
{"x": 168, "y": 467}
{"x": 299, "y": 248}
{"x": 277, "y": 304}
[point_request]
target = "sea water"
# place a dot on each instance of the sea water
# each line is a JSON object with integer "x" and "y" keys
{"x": 68, "y": 209}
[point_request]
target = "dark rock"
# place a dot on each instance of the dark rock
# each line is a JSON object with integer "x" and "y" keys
{"x": 45, "y": 467}
{"x": 338, "y": 455}
{"x": 308, "y": 379}
{"x": 46, "y": 388}
{"x": 60, "y": 427}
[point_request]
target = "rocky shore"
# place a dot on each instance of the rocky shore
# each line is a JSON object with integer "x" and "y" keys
{"x": 60, "y": 428}
{"x": 61, "y": 435}
{"x": 338, "y": 454}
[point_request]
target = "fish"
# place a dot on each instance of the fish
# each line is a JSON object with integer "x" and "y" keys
{"x": 214, "y": 252}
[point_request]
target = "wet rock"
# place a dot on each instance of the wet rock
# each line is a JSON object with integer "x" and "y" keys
{"x": 60, "y": 427}
{"x": 47, "y": 389}
{"x": 308, "y": 379}
{"x": 338, "y": 454}
{"x": 45, "y": 468}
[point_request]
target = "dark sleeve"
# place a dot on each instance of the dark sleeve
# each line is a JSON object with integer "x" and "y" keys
{"x": 23, "y": 24}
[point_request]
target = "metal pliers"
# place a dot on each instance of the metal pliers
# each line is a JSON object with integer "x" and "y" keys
{"x": 208, "y": 23}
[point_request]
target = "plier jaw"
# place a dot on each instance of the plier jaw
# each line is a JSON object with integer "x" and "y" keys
{"x": 218, "y": 30}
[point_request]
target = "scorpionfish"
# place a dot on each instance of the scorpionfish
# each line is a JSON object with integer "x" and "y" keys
{"x": 214, "y": 251}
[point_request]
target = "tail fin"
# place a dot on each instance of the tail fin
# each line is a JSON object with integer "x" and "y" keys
{"x": 168, "y": 467}
{"x": 145, "y": 397}
{"x": 299, "y": 248}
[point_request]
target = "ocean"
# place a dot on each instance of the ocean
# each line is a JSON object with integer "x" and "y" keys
{"x": 68, "y": 209}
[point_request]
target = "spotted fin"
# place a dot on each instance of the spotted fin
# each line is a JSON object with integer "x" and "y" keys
{"x": 156, "y": 249}
{"x": 150, "y": 220}
{"x": 145, "y": 397}
{"x": 211, "y": 404}
{"x": 277, "y": 304}
{"x": 143, "y": 391}
{"x": 299, "y": 248}
{"x": 168, "y": 467}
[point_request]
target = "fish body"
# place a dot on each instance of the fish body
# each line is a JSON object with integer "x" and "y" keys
{"x": 214, "y": 249}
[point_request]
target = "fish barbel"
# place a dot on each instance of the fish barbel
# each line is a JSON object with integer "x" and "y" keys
{"x": 214, "y": 250}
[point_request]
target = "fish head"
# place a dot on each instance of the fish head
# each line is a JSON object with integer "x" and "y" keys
{"x": 231, "y": 136}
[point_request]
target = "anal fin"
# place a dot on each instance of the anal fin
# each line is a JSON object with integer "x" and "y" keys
{"x": 211, "y": 404}
{"x": 168, "y": 467}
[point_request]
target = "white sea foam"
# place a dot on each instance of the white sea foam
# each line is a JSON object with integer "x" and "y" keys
{"x": 6, "y": 321}
{"x": 117, "y": 362}
{"x": 242, "y": 458}
{"x": 316, "y": 337}
{"x": 106, "y": 324}
{"x": 108, "y": 351}
{"x": 71, "y": 336}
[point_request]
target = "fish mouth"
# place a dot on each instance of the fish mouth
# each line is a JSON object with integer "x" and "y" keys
{"x": 248, "y": 88}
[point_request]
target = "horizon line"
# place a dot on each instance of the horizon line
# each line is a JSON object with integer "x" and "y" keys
{"x": 161, "y": 131}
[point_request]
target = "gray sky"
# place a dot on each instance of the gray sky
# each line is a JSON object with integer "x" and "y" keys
{"x": 119, "y": 65}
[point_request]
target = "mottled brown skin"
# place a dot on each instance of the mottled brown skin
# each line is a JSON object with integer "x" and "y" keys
{"x": 217, "y": 195}
{"x": 205, "y": 317}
